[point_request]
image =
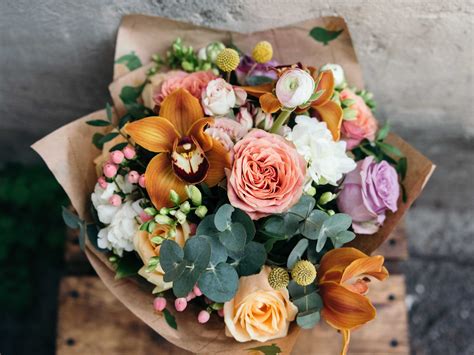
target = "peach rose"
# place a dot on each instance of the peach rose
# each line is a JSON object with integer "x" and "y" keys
{"x": 146, "y": 249}
{"x": 363, "y": 126}
{"x": 195, "y": 83}
{"x": 153, "y": 87}
{"x": 267, "y": 174}
{"x": 258, "y": 312}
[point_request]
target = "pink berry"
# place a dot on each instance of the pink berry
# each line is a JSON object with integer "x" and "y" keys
{"x": 129, "y": 152}
{"x": 159, "y": 303}
{"x": 110, "y": 170}
{"x": 117, "y": 156}
{"x": 220, "y": 312}
{"x": 180, "y": 304}
{"x": 203, "y": 317}
{"x": 141, "y": 180}
{"x": 145, "y": 217}
{"x": 115, "y": 200}
{"x": 102, "y": 183}
{"x": 197, "y": 291}
{"x": 133, "y": 177}
{"x": 190, "y": 296}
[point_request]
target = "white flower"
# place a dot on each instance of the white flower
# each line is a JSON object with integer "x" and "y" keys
{"x": 218, "y": 97}
{"x": 121, "y": 221}
{"x": 294, "y": 88}
{"x": 327, "y": 159}
{"x": 118, "y": 235}
{"x": 337, "y": 72}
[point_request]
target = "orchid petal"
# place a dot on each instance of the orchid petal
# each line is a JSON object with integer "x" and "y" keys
{"x": 182, "y": 109}
{"x": 160, "y": 180}
{"x": 371, "y": 265}
{"x": 269, "y": 103}
{"x": 156, "y": 134}
{"x": 344, "y": 309}
{"x": 325, "y": 82}
{"x": 259, "y": 90}
{"x": 197, "y": 131}
{"x": 331, "y": 113}
{"x": 337, "y": 260}
{"x": 219, "y": 160}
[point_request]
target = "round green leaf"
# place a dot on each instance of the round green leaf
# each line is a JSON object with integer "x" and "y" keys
{"x": 219, "y": 284}
{"x": 311, "y": 226}
{"x": 309, "y": 319}
{"x": 336, "y": 224}
{"x": 223, "y": 217}
{"x": 234, "y": 238}
{"x": 197, "y": 251}
{"x": 218, "y": 251}
{"x": 303, "y": 208}
{"x": 186, "y": 280}
{"x": 171, "y": 255}
{"x": 207, "y": 227}
{"x": 243, "y": 218}
{"x": 252, "y": 260}
{"x": 343, "y": 238}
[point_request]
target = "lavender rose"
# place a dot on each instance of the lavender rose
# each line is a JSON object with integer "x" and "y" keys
{"x": 367, "y": 193}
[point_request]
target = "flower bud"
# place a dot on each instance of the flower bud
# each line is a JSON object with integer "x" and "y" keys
{"x": 115, "y": 200}
{"x": 331, "y": 212}
{"x": 294, "y": 88}
{"x": 160, "y": 219}
{"x": 141, "y": 180}
{"x": 194, "y": 194}
{"x": 311, "y": 190}
{"x": 185, "y": 207}
{"x": 326, "y": 197}
{"x": 203, "y": 317}
{"x": 190, "y": 296}
{"x": 212, "y": 51}
{"x": 164, "y": 211}
{"x": 117, "y": 156}
{"x": 129, "y": 152}
{"x": 159, "y": 304}
{"x": 187, "y": 66}
{"x": 202, "y": 54}
{"x": 151, "y": 211}
{"x": 174, "y": 197}
{"x": 180, "y": 216}
{"x": 133, "y": 177}
{"x": 197, "y": 291}
{"x": 102, "y": 183}
{"x": 337, "y": 72}
{"x": 110, "y": 170}
{"x": 180, "y": 304}
{"x": 244, "y": 117}
{"x": 201, "y": 211}
{"x": 263, "y": 120}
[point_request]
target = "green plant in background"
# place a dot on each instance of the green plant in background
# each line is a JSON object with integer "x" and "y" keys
{"x": 32, "y": 233}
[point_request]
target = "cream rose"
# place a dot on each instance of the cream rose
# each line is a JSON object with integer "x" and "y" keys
{"x": 258, "y": 312}
{"x": 218, "y": 98}
{"x": 147, "y": 250}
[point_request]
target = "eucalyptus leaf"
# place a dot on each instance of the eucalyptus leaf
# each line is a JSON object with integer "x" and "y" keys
{"x": 342, "y": 238}
{"x": 186, "y": 280}
{"x": 258, "y": 80}
{"x": 243, "y": 218}
{"x": 223, "y": 217}
{"x": 171, "y": 259}
{"x": 207, "y": 227}
{"x": 297, "y": 291}
{"x": 308, "y": 301}
{"x": 218, "y": 251}
{"x": 198, "y": 251}
{"x": 336, "y": 224}
{"x": 322, "y": 239}
{"x": 220, "y": 283}
{"x": 303, "y": 208}
{"x": 308, "y": 319}
{"x": 234, "y": 238}
{"x": 297, "y": 252}
{"x": 311, "y": 226}
{"x": 252, "y": 260}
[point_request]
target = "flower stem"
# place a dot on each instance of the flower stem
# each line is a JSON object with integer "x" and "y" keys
{"x": 280, "y": 121}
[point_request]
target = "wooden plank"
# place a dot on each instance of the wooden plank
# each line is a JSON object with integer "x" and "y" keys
{"x": 91, "y": 321}
{"x": 396, "y": 246}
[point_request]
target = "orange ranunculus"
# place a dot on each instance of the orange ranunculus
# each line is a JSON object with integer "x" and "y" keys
{"x": 326, "y": 109}
{"x": 343, "y": 281}
{"x": 186, "y": 155}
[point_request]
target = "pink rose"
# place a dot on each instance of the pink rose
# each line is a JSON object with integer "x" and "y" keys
{"x": 367, "y": 193}
{"x": 227, "y": 131}
{"x": 363, "y": 126}
{"x": 267, "y": 174}
{"x": 195, "y": 83}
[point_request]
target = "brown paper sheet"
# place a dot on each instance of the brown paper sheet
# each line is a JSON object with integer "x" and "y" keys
{"x": 69, "y": 154}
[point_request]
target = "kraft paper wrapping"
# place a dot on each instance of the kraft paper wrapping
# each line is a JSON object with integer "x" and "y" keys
{"x": 69, "y": 154}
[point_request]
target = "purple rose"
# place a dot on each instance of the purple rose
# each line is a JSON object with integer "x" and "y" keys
{"x": 367, "y": 192}
{"x": 261, "y": 69}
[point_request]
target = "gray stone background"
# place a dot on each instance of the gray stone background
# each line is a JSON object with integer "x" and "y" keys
{"x": 417, "y": 56}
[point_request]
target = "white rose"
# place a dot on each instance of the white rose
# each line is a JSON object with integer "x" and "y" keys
{"x": 218, "y": 97}
{"x": 337, "y": 72}
{"x": 294, "y": 88}
{"x": 327, "y": 159}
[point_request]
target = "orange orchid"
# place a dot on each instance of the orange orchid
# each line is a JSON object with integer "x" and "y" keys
{"x": 343, "y": 281}
{"x": 186, "y": 154}
{"x": 326, "y": 109}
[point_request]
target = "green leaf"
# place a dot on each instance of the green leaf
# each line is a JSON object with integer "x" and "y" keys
{"x": 171, "y": 259}
{"x": 383, "y": 132}
{"x": 108, "y": 137}
{"x": 311, "y": 226}
{"x": 207, "y": 227}
{"x": 92, "y": 232}
{"x": 170, "y": 319}
{"x": 258, "y": 80}
{"x": 336, "y": 224}
{"x": 303, "y": 208}
{"x": 218, "y": 251}
{"x": 119, "y": 146}
{"x": 73, "y": 221}
{"x": 96, "y": 138}
{"x": 128, "y": 265}
{"x": 234, "y": 238}
{"x": 223, "y": 217}
{"x": 98, "y": 123}
{"x": 310, "y": 300}
{"x": 323, "y": 35}
{"x": 308, "y": 319}
{"x": 152, "y": 264}
{"x": 296, "y": 291}
{"x": 137, "y": 111}
{"x": 297, "y": 253}
{"x": 349, "y": 114}
{"x": 267, "y": 349}
{"x": 124, "y": 120}
{"x": 130, "y": 60}
{"x": 342, "y": 238}
{"x": 243, "y": 218}
{"x": 108, "y": 110}
{"x": 402, "y": 166}
{"x": 220, "y": 283}
{"x": 389, "y": 149}
{"x": 130, "y": 94}
{"x": 252, "y": 260}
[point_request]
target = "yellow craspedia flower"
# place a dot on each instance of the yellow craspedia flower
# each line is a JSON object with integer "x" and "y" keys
{"x": 304, "y": 273}
{"x": 227, "y": 60}
{"x": 278, "y": 278}
{"x": 262, "y": 52}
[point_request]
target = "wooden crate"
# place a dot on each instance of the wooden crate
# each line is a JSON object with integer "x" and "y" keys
{"x": 92, "y": 321}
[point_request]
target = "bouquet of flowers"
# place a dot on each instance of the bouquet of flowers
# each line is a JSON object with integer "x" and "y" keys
{"x": 236, "y": 193}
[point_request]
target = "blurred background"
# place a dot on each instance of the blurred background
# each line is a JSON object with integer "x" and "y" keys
{"x": 56, "y": 59}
